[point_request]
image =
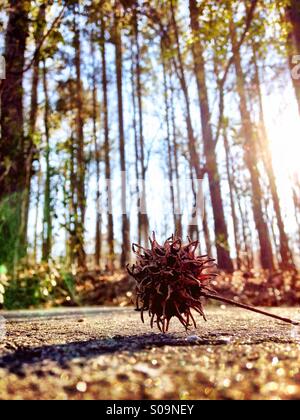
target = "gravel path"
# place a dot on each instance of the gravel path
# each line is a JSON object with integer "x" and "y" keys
{"x": 108, "y": 353}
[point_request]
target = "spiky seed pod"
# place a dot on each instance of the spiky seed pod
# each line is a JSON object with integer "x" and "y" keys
{"x": 171, "y": 279}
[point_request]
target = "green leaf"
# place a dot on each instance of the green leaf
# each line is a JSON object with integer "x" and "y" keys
{"x": 3, "y": 270}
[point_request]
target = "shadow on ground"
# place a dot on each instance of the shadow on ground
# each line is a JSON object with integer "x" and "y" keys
{"x": 64, "y": 353}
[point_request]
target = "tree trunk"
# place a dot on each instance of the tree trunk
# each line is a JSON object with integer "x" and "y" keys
{"x": 246, "y": 233}
{"x": 136, "y": 145}
{"x": 81, "y": 165}
{"x": 179, "y": 229}
{"x": 296, "y": 201}
{"x": 285, "y": 251}
{"x": 47, "y": 219}
{"x": 12, "y": 162}
{"x": 250, "y": 150}
{"x": 143, "y": 213}
{"x": 193, "y": 229}
{"x": 37, "y": 209}
{"x": 30, "y": 148}
{"x": 221, "y": 232}
{"x": 110, "y": 219}
{"x": 179, "y": 68}
{"x": 98, "y": 229}
{"x": 293, "y": 15}
{"x": 73, "y": 222}
{"x": 270, "y": 218}
{"x": 206, "y": 230}
{"x": 232, "y": 203}
{"x": 195, "y": 163}
{"x": 119, "y": 74}
{"x": 169, "y": 160}
{"x": 194, "y": 158}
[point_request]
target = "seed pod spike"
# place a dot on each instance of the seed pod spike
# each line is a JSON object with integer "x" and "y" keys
{"x": 193, "y": 319}
{"x": 142, "y": 316}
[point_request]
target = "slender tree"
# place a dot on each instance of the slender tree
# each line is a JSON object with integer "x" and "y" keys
{"x": 97, "y": 154}
{"x": 119, "y": 77}
{"x": 208, "y": 241}
{"x": 73, "y": 217}
{"x": 250, "y": 150}
{"x": 232, "y": 203}
{"x": 136, "y": 143}
{"x": 143, "y": 216}
{"x": 47, "y": 217}
{"x": 110, "y": 225}
{"x": 81, "y": 164}
{"x": 37, "y": 215}
{"x": 170, "y": 155}
{"x": 209, "y": 146}
{"x": 175, "y": 147}
{"x": 285, "y": 251}
{"x": 30, "y": 147}
{"x": 193, "y": 149}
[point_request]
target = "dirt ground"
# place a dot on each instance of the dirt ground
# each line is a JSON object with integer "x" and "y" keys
{"x": 107, "y": 353}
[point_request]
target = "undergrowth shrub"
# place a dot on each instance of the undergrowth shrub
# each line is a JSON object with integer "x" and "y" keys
{"x": 41, "y": 286}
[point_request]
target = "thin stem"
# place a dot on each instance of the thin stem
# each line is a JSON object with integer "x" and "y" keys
{"x": 250, "y": 308}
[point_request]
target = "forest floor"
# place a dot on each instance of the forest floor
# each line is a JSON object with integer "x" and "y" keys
{"x": 107, "y": 353}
